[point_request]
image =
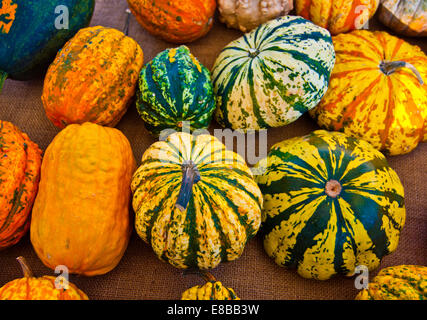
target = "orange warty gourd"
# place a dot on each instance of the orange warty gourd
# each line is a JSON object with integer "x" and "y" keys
{"x": 20, "y": 160}
{"x": 178, "y": 21}
{"x": 43, "y": 288}
{"x": 339, "y": 15}
{"x": 81, "y": 213}
{"x": 93, "y": 78}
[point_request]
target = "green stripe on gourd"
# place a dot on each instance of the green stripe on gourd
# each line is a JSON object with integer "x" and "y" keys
{"x": 272, "y": 75}
{"x": 331, "y": 203}
{"x": 174, "y": 87}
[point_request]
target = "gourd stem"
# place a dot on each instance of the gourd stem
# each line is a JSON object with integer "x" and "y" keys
{"x": 3, "y": 76}
{"x": 25, "y": 268}
{"x": 207, "y": 276}
{"x": 126, "y": 28}
{"x": 333, "y": 188}
{"x": 389, "y": 67}
{"x": 190, "y": 176}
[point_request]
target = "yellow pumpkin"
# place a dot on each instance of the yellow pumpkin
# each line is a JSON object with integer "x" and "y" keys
{"x": 376, "y": 91}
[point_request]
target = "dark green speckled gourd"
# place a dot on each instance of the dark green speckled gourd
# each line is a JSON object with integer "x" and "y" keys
{"x": 29, "y": 38}
{"x": 174, "y": 87}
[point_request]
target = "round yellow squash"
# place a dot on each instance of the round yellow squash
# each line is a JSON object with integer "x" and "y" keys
{"x": 377, "y": 91}
{"x": 196, "y": 203}
{"x": 80, "y": 217}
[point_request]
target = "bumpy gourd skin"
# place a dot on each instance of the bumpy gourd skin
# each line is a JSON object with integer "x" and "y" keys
{"x": 174, "y": 87}
{"x": 93, "y": 78}
{"x": 273, "y": 75}
{"x": 42, "y": 288}
{"x": 389, "y": 111}
{"x": 331, "y": 203}
{"x": 177, "y": 21}
{"x": 20, "y": 161}
{"x": 224, "y": 210}
{"x": 80, "y": 217}
{"x": 338, "y": 15}
{"x": 406, "y": 282}
{"x": 210, "y": 291}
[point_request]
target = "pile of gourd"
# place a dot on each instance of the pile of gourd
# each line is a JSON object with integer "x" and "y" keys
{"x": 324, "y": 203}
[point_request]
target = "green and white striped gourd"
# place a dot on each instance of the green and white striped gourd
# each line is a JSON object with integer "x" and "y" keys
{"x": 272, "y": 75}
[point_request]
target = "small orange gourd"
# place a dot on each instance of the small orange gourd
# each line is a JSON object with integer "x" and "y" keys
{"x": 43, "y": 288}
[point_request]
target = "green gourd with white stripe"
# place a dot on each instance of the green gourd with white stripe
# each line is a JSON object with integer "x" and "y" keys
{"x": 272, "y": 75}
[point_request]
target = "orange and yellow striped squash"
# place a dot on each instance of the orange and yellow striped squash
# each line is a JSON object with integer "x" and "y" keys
{"x": 211, "y": 290}
{"x": 93, "y": 78}
{"x": 80, "y": 217}
{"x": 405, "y": 282}
{"x": 337, "y": 15}
{"x": 20, "y": 160}
{"x": 178, "y": 21}
{"x": 376, "y": 91}
{"x": 196, "y": 202}
{"x": 39, "y": 288}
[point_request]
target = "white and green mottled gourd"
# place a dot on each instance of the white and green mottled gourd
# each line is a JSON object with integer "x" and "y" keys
{"x": 272, "y": 75}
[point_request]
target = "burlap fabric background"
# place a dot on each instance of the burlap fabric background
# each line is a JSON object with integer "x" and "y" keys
{"x": 140, "y": 275}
